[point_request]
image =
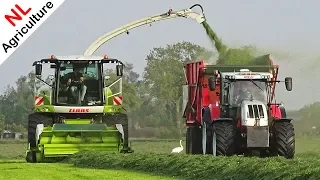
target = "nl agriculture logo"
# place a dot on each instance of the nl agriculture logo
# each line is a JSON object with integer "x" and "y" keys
{"x": 19, "y": 19}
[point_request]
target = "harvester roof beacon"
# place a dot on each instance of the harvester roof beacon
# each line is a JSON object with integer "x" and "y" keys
{"x": 77, "y": 108}
{"x": 184, "y": 13}
{"x": 232, "y": 110}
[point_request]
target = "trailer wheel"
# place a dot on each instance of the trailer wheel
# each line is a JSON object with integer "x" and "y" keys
{"x": 223, "y": 138}
{"x": 283, "y": 139}
{"x": 194, "y": 140}
{"x": 33, "y": 120}
{"x": 188, "y": 137}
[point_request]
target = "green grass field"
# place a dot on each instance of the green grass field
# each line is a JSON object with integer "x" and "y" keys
{"x": 58, "y": 171}
{"x": 153, "y": 157}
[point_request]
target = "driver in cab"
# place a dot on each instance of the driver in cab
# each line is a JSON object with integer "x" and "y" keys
{"x": 243, "y": 91}
{"x": 73, "y": 78}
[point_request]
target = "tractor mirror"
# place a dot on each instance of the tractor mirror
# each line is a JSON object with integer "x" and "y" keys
{"x": 119, "y": 70}
{"x": 288, "y": 83}
{"x": 38, "y": 69}
{"x": 212, "y": 83}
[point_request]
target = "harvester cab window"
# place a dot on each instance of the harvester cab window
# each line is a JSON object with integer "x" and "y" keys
{"x": 79, "y": 84}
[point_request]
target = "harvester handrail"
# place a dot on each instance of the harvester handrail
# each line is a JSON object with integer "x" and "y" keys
{"x": 120, "y": 87}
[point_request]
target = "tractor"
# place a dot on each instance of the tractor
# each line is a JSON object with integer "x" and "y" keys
{"x": 231, "y": 110}
{"x": 78, "y": 108}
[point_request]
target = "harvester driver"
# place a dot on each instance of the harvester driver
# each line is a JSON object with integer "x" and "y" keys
{"x": 73, "y": 77}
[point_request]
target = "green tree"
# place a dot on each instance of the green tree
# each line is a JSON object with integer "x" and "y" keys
{"x": 17, "y": 103}
{"x": 164, "y": 77}
{"x": 2, "y": 125}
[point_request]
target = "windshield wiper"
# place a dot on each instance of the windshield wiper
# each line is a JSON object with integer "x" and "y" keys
{"x": 256, "y": 84}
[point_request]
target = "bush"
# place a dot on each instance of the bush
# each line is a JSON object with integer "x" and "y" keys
{"x": 204, "y": 167}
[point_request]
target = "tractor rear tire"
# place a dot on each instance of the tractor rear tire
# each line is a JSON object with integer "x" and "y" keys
{"x": 225, "y": 136}
{"x": 283, "y": 142}
{"x": 194, "y": 140}
{"x": 33, "y": 120}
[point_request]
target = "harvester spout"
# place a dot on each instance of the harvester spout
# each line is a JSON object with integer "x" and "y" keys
{"x": 184, "y": 13}
{"x": 204, "y": 17}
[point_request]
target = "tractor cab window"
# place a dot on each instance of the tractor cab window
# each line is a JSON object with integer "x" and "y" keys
{"x": 79, "y": 84}
{"x": 247, "y": 89}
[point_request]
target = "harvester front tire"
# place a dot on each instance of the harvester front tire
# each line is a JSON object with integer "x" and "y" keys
{"x": 284, "y": 139}
{"x": 111, "y": 120}
{"x": 33, "y": 120}
{"x": 224, "y": 134}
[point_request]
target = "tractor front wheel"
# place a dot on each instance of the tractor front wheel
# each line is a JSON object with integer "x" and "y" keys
{"x": 223, "y": 138}
{"x": 283, "y": 141}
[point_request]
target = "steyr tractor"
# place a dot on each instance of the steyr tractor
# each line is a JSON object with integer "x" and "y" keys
{"x": 231, "y": 110}
{"x": 77, "y": 109}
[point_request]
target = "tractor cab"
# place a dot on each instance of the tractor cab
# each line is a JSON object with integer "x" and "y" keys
{"x": 243, "y": 89}
{"x": 245, "y": 85}
{"x": 76, "y": 81}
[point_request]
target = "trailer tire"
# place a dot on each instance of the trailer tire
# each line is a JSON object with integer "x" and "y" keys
{"x": 225, "y": 135}
{"x": 283, "y": 139}
{"x": 33, "y": 120}
{"x": 188, "y": 137}
{"x": 194, "y": 140}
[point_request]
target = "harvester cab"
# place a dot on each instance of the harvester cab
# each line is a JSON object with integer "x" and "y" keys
{"x": 77, "y": 108}
{"x": 231, "y": 109}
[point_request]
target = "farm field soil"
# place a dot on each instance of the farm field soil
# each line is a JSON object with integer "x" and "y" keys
{"x": 25, "y": 171}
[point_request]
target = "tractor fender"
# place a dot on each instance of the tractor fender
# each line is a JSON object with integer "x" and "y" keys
{"x": 283, "y": 112}
{"x": 222, "y": 119}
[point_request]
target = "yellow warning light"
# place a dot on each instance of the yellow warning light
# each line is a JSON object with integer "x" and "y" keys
{"x": 105, "y": 57}
{"x": 52, "y": 57}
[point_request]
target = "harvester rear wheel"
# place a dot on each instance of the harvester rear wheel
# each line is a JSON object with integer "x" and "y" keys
{"x": 224, "y": 135}
{"x": 33, "y": 120}
{"x": 283, "y": 143}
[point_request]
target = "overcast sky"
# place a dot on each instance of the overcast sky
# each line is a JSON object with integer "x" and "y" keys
{"x": 286, "y": 28}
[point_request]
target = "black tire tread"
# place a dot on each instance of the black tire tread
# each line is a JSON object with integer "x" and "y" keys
{"x": 284, "y": 139}
{"x": 33, "y": 120}
{"x": 225, "y": 138}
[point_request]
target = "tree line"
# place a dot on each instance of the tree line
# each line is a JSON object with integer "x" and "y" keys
{"x": 153, "y": 101}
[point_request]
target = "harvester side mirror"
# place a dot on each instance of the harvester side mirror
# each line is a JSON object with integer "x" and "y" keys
{"x": 288, "y": 83}
{"x": 212, "y": 83}
{"x": 119, "y": 70}
{"x": 38, "y": 69}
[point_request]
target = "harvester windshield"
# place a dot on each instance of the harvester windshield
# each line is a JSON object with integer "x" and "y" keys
{"x": 79, "y": 83}
{"x": 247, "y": 89}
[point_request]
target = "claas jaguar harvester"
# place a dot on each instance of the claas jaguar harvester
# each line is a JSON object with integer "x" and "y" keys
{"x": 62, "y": 124}
{"x": 231, "y": 110}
